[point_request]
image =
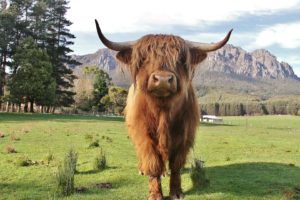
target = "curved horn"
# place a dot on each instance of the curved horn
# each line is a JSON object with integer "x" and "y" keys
{"x": 210, "y": 47}
{"x": 117, "y": 46}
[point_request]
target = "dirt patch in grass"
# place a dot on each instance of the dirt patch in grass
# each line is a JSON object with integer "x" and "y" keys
{"x": 103, "y": 185}
{"x": 81, "y": 189}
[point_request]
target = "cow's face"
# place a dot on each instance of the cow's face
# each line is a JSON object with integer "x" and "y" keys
{"x": 161, "y": 65}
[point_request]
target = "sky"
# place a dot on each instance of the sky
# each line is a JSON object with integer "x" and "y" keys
{"x": 270, "y": 24}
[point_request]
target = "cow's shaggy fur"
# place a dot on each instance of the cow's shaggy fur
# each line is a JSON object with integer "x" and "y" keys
{"x": 162, "y": 127}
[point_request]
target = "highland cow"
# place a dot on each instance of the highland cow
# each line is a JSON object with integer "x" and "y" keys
{"x": 162, "y": 111}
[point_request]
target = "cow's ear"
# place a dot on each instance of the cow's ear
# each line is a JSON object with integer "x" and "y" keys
{"x": 125, "y": 56}
{"x": 197, "y": 56}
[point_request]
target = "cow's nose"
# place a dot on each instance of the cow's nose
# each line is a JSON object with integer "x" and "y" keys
{"x": 163, "y": 79}
{"x": 162, "y": 83}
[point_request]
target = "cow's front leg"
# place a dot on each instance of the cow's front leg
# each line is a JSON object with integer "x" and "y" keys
{"x": 150, "y": 161}
{"x": 175, "y": 186}
{"x": 155, "y": 192}
{"x": 176, "y": 163}
{"x": 151, "y": 164}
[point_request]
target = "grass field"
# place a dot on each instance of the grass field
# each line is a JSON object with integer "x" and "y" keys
{"x": 245, "y": 158}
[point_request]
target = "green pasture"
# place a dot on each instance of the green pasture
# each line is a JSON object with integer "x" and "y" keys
{"x": 245, "y": 158}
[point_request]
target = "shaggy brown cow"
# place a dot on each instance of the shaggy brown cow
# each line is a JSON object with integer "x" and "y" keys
{"x": 162, "y": 111}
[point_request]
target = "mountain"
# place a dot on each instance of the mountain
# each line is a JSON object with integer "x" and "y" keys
{"x": 258, "y": 64}
{"x": 229, "y": 68}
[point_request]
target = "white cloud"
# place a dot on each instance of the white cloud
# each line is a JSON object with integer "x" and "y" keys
{"x": 284, "y": 35}
{"x": 133, "y": 16}
{"x": 136, "y": 15}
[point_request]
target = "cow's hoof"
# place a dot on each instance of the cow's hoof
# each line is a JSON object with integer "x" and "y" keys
{"x": 141, "y": 173}
{"x": 165, "y": 173}
{"x": 155, "y": 196}
{"x": 176, "y": 196}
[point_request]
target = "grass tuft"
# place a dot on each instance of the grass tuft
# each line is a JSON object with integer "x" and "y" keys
{"x": 198, "y": 174}
{"x": 288, "y": 194}
{"x": 25, "y": 130}
{"x": 100, "y": 161}
{"x": 10, "y": 149}
{"x": 88, "y": 137}
{"x": 94, "y": 143}
{"x": 14, "y": 137}
{"x": 2, "y": 134}
{"x": 65, "y": 174}
{"x": 48, "y": 158}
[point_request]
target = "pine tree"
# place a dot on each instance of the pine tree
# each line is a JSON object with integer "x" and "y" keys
{"x": 58, "y": 42}
{"x": 38, "y": 22}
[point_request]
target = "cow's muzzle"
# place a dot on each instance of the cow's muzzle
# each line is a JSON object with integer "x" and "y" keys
{"x": 162, "y": 84}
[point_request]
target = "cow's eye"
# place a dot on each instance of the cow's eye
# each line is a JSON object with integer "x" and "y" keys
{"x": 182, "y": 59}
{"x": 142, "y": 61}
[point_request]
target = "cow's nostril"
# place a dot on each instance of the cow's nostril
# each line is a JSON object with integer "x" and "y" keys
{"x": 171, "y": 78}
{"x": 155, "y": 78}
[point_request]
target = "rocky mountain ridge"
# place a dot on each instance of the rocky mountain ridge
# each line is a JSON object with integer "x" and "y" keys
{"x": 229, "y": 60}
{"x": 230, "y": 69}
{"x": 257, "y": 64}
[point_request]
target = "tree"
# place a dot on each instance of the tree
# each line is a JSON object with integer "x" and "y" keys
{"x": 115, "y": 100}
{"x": 100, "y": 88}
{"x": 32, "y": 81}
{"x": 58, "y": 42}
{"x": 83, "y": 88}
{"x": 45, "y": 22}
{"x": 39, "y": 22}
{"x": 7, "y": 21}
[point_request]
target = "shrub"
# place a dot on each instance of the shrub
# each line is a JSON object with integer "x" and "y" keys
{"x": 100, "y": 161}
{"x": 10, "y": 149}
{"x": 65, "y": 174}
{"x": 94, "y": 143}
{"x": 298, "y": 113}
{"x": 198, "y": 174}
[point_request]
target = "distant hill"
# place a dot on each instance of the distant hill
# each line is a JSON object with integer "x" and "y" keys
{"x": 230, "y": 69}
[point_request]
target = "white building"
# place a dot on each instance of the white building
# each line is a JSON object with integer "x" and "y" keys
{"x": 211, "y": 118}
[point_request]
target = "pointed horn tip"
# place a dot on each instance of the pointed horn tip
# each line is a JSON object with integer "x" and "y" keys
{"x": 96, "y": 22}
{"x": 229, "y": 33}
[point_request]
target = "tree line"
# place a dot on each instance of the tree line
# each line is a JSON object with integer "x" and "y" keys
{"x": 251, "y": 108}
{"x": 34, "y": 56}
